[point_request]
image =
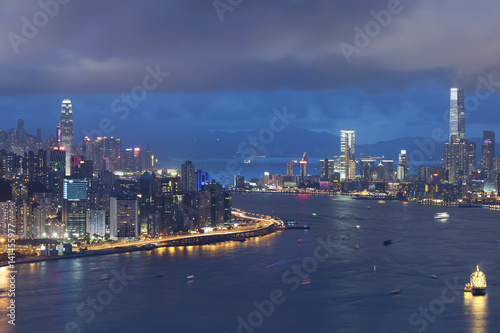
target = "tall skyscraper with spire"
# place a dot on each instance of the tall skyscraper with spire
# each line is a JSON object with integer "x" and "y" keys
{"x": 67, "y": 132}
{"x": 457, "y": 114}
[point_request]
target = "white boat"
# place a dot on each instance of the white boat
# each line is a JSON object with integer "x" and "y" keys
{"x": 443, "y": 215}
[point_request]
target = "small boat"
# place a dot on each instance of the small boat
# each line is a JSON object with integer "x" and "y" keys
{"x": 358, "y": 226}
{"x": 374, "y": 268}
{"x": 443, "y": 215}
{"x": 468, "y": 288}
{"x": 369, "y": 207}
{"x": 387, "y": 242}
{"x": 313, "y": 214}
{"x": 395, "y": 291}
{"x": 300, "y": 240}
{"x": 434, "y": 276}
{"x": 190, "y": 277}
{"x": 305, "y": 282}
{"x": 356, "y": 247}
{"x": 104, "y": 277}
{"x": 340, "y": 217}
{"x": 94, "y": 269}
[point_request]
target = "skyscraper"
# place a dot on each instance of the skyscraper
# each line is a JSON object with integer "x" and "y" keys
{"x": 289, "y": 168}
{"x": 348, "y": 161}
{"x": 188, "y": 177}
{"x": 403, "y": 166}
{"x": 123, "y": 214}
{"x": 303, "y": 165}
{"x": 457, "y": 114}
{"x": 67, "y": 132}
{"x": 74, "y": 208}
{"x": 488, "y": 152}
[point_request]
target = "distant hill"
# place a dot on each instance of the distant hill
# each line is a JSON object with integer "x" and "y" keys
{"x": 293, "y": 142}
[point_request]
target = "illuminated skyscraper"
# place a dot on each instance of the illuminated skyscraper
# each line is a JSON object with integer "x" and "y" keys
{"x": 303, "y": 165}
{"x": 348, "y": 161}
{"x": 74, "y": 207}
{"x": 457, "y": 114}
{"x": 488, "y": 152}
{"x": 67, "y": 132}
{"x": 403, "y": 170}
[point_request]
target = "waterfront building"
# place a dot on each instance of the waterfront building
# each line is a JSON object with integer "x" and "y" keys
{"x": 403, "y": 169}
{"x": 289, "y": 168}
{"x": 366, "y": 168}
{"x": 123, "y": 213}
{"x": 303, "y": 165}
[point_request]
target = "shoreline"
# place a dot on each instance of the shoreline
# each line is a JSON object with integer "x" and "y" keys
{"x": 183, "y": 241}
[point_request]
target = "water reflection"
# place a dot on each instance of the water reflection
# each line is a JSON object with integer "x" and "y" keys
{"x": 4, "y": 299}
{"x": 476, "y": 312}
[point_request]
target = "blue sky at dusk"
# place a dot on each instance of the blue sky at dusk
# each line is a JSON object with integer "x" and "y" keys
{"x": 229, "y": 74}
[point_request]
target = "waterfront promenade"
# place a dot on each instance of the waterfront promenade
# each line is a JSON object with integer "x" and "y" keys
{"x": 262, "y": 227}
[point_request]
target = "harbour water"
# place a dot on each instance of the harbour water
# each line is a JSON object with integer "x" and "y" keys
{"x": 255, "y": 286}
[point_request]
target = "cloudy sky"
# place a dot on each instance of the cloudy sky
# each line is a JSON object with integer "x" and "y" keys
{"x": 230, "y": 62}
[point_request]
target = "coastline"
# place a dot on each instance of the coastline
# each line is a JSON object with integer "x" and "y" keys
{"x": 181, "y": 241}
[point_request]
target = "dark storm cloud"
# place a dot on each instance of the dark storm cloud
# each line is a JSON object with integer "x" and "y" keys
{"x": 104, "y": 46}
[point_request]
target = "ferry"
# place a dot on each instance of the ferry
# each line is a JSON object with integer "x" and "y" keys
{"x": 477, "y": 282}
{"x": 443, "y": 215}
{"x": 293, "y": 225}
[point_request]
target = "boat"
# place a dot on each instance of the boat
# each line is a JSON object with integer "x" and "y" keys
{"x": 305, "y": 282}
{"x": 395, "y": 291}
{"x": 442, "y": 215}
{"x": 358, "y": 226}
{"x": 293, "y": 225}
{"x": 469, "y": 205}
{"x": 478, "y": 282}
{"x": 468, "y": 288}
{"x": 300, "y": 241}
{"x": 247, "y": 161}
{"x": 356, "y": 247}
{"x": 434, "y": 276}
{"x": 190, "y": 277}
